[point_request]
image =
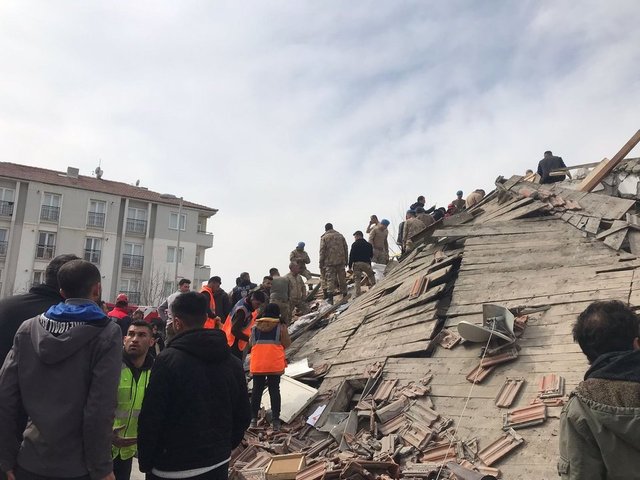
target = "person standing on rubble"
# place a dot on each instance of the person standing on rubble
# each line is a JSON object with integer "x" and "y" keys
{"x": 459, "y": 202}
{"x": 299, "y": 255}
{"x": 373, "y": 223}
{"x": 360, "y": 261}
{"x": 474, "y": 197}
{"x": 334, "y": 257}
{"x": 269, "y": 339}
{"x": 238, "y": 325}
{"x": 196, "y": 407}
{"x": 549, "y": 163}
{"x": 424, "y": 217}
{"x": 600, "y": 424}
{"x": 297, "y": 290}
{"x": 379, "y": 240}
{"x": 412, "y": 226}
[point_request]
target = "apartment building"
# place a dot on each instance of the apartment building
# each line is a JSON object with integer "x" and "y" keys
{"x": 129, "y": 232}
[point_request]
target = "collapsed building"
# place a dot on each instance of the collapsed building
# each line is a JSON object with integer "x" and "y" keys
{"x": 461, "y": 358}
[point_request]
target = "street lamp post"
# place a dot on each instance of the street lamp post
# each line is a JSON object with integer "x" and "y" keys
{"x": 173, "y": 197}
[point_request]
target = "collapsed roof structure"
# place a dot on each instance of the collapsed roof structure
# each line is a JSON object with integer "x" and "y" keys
{"x": 400, "y": 386}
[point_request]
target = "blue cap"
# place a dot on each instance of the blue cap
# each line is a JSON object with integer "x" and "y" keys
{"x": 459, "y": 192}
{"x": 384, "y": 221}
{"x": 300, "y": 244}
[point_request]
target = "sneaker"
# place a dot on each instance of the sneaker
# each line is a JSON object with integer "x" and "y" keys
{"x": 254, "y": 423}
{"x": 276, "y": 424}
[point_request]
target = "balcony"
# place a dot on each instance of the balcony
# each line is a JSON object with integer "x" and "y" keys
{"x": 93, "y": 256}
{"x": 49, "y": 213}
{"x": 133, "y": 262}
{"x": 6, "y": 208}
{"x": 45, "y": 252}
{"x": 95, "y": 220}
{"x": 136, "y": 227}
{"x": 3, "y": 248}
{"x": 204, "y": 238}
{"x": 134, "y": 297}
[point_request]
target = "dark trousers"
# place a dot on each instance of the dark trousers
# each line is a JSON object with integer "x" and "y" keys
{"x": 259, "y": 382}
{"x": 220, "y": 473}
{"x": 22, "y": 474}
{"x": 122, "y": 468}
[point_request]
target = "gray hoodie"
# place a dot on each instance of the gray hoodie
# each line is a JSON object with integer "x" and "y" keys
{"x": 65, "y": 375}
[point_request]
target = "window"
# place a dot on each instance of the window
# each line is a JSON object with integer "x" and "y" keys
{"x": 46, "y": 247}
{"x": 6, "y": 202}
{"x": 173, "y": 221}
{"x": 202, "y": 224}
{"x": 4, "y": 241}
{"x": 38, "y": 277}
{"x": 50, "y": 209}
{"x": 136, "y": 221}
{"x": 131, "y": 288}
{"x": 171, "y": 254}
{"x": 133, "y": 257}
{"x": 93, "y": 250}
{"x": 167, "y": 289}
{"x": 96, "y": 214}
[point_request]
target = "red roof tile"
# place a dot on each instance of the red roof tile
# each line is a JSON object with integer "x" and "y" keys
{"x": 53, "y": 177}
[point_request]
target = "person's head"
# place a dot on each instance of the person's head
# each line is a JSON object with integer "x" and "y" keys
{"x": 548, "y": 154}
{"x": 267, "y": 282}
{"x": 214, "y": 283}
{"x": 459, "y": 194}
{"x": 238, "y": 282}
{"x": 606, "y": 326}
{"x": 481, "y": 191}
{"x": 122, "y": 300}
{"x": 300, "y": 246}
{"x": 156, "y": 325}
{"x": 358, "y": 235}
{"x": 80, "y": 279}
{"x": 421, "y": 199}
{"x": 529, "y": 172}
{"x": 328, "y": 226}
{"x": 245, "y": 279}
{"x": 273, "y": 272}
{"x": 189, "y": 311}
{"x": 385, "y": 223}
{"x": 184, "y": 285}
{"x": 374, "y": 219}
{"x": 272, "y": 311}
{"x": 138, "y": 315}
{"x": 410, "y": 214}
{"x": 139, "y": 339}
{"x": 295, "y": 268}
{"x": 51, "y": 272}
{"x": 257, "y": 299}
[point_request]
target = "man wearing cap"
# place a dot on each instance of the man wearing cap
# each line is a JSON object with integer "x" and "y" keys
{"x": 378, "y": 238}
{"x": 120, "y": 314}
{"x": 360, "y": 260}
{"x": 459, "y": 202}
{"x": 300, "y": 256}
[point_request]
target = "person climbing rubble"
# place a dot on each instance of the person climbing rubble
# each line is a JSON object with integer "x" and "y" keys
{"x": 301, "y": 256}
{"x": 334, "y": 257}
{"x": 412, "y": 226}
{"x": 549, "y": 163}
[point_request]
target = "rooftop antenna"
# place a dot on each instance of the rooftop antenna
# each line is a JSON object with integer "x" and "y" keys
{"x": 138, "y": 183}
{"x": 98, "y": 171}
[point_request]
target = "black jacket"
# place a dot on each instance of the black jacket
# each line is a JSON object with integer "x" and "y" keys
{"x": 19, "y": 308}
{"x": 361, "y": 251}
{"x": 196, "y": 407}
{"x": 223, "y": 304}
{"x": 546, "y": 165}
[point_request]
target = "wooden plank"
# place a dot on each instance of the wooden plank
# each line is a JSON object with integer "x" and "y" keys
{"x": 615, "y": 227}
{"x": 616, "y": 240}
{"x": 607, "y": 166}
{"x": 593, "y": 224}
{"x": 634, "y": 241}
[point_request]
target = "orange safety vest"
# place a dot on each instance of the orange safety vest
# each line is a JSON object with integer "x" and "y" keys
{"x": 212, "y": 302}
{"x": 267, "y": 353}
{"x": 226, "y": 328}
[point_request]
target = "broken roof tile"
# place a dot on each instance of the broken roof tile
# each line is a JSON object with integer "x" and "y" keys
{"x": 500, "y": 447}
{"x": 509, "y": 391}
{"x": 505, "y": 357}
{"x": 447, "y": 338}
{"x": 384, "y": 390}
{"x": 525, "y": 416}
{"x": 440, "y": 452}
{"x": 479, "y": 373}
{"x": 550, "y": 386}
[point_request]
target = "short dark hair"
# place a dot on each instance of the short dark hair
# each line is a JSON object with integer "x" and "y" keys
{"x": 272, "y": 311}
{"x": 141, "y": 323}
{"x": 328, "y": 226}
{"x": 267, "y": 278}
{"x": 51, "y": 273}
{"x": 257, "y": 295}
{"x": 358, "y": 233}
{"x": 215, "y": 279}
{"x": 607, "y": 326}
{"x": 191, "y": 309}
{"x": 273, "y": 271}
{"x": 183, "y": 281}
{"x": 421, "y": 198}
{"x": 77, "y": 277}
{"x": 548, "y": 152}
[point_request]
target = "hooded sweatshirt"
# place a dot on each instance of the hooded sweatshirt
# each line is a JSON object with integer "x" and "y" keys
{"x": 196, "y": 407}
{"x": 63, "y": 371}
{"x": 600, "y": 424}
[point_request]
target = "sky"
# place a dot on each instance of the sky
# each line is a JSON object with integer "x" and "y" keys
{"x": 286, "y": 115}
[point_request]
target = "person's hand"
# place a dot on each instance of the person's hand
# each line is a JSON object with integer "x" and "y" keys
{"x": 11, "y": 475}
{"x": 121, "y": 442}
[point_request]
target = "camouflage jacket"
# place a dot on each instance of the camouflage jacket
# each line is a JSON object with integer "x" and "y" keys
{"x": 333, "y": 249}
{"x": 297, "y": 288}
{"x": 299, "y": 256}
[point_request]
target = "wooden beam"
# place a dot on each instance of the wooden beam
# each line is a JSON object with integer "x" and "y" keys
{"x": 607, "y": 166}
{"x": 562, "y": 171}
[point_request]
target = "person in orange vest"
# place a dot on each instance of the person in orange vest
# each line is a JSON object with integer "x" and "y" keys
{"x": 212, "y": 321}
{"x": 269, "y": 339}
{"x": 240, "y": 321}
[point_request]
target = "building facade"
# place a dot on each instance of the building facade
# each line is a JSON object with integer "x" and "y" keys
{"x": 129, "y": 232}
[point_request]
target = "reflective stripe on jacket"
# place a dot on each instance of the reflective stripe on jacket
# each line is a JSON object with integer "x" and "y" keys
{"x": 267, "y": 352}
{"x": 228, "y": 325}
{"x": 130, "y": 397}
{"x": 212, "y": 301}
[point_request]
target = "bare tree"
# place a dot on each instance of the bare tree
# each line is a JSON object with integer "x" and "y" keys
{"x": 152, "y": 288}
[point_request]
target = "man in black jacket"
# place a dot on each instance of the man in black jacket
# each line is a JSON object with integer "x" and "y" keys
{"x": 549, "y": 163}
{"x": 19, "y": 308}
{"x": 360, "y": 260}
{"x": 196, "y": 407}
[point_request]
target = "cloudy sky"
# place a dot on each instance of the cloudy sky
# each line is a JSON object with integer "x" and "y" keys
{"x": 288, "y": 114}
